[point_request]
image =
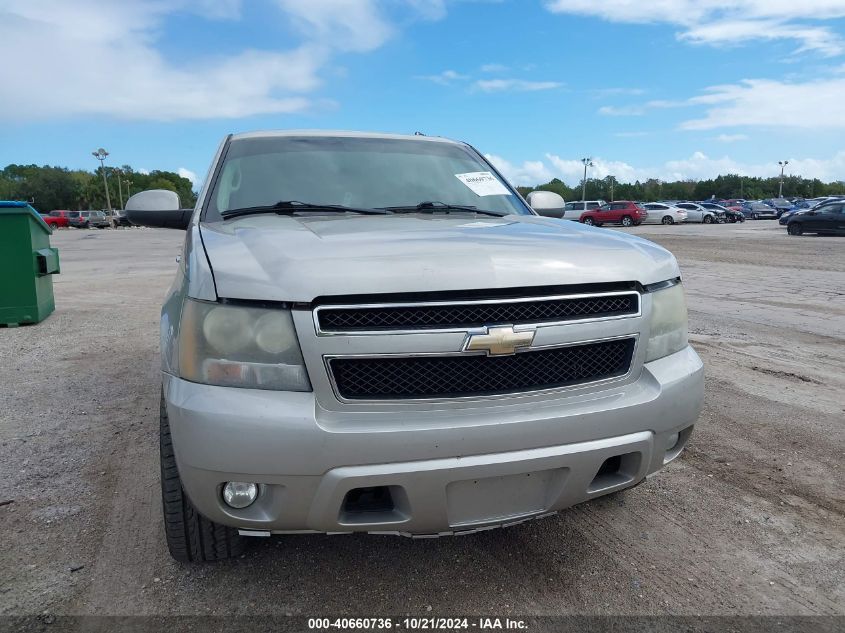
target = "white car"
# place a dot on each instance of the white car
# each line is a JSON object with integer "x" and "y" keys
{"x": 660, "y": 213}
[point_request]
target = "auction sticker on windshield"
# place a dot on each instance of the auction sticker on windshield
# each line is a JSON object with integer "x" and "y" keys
{"x": 483, "y": 183}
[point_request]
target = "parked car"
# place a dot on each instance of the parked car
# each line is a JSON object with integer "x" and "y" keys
{"x": 784, "y": 218}
{"x": 121, "y": 219}
{"x": 624, "y": 212}
{"x": 573, "y": 210}
{"x": 825, "y": 219}
{"x": 55, "y": 221}
{"x": 724, "y": 214}
{"x": 660, "y": 213}
{"x": 697, "y": 213}
{"x": 759, "y": 211}
{"x": 74, "y": 218}
{"x": 97, "y": 219}
{"x": 367, "y": 384}
{"x": 780, "y": 205}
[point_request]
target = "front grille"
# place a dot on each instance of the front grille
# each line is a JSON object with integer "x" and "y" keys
{"x": 434, "y": 316}
{"x": 475, "y": 375}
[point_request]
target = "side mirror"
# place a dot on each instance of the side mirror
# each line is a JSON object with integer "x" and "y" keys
{"x": 158, "y": 208}
{"x": 546, "y": 203}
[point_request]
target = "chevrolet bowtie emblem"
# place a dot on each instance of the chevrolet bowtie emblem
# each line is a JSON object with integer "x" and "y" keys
{"x": 499, "y": 341}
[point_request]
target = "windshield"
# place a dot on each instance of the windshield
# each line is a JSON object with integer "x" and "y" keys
{"x": 356, "y": 172}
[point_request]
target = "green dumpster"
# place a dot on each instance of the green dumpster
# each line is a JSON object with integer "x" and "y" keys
{"x": 27, "y": 265}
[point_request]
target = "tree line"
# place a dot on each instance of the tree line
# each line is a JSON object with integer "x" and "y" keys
{"x": 721, "y": 187}
{"x": 49, "y": 188}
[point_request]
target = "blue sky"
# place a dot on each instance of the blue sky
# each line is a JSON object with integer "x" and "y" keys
{"x": 667, "y": 88}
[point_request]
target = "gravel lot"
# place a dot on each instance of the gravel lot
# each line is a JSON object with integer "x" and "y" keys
{"x": 748, "y": 521}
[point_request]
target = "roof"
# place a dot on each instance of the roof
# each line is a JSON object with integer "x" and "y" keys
{"x": 13, "y": 203}
{"x": 341, "y": 133}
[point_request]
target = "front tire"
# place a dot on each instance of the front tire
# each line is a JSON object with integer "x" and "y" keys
{"x": 627, "y": 220}
{"x": 708, "y": 219}
{"x": 667, "y": 219}
{"x": 588, "y": 221}
{"x": 795, "y": 228}
{"x": 190, "y": 536}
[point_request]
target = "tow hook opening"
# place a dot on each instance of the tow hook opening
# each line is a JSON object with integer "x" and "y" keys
{"x": 616, "y": 471}
{"x": 374, "y": 504}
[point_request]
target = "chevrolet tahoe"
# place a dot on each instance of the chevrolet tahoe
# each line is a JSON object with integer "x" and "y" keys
{"x": 376, "y": 333}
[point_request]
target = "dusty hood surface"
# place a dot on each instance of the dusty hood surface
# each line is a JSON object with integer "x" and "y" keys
{"x": 284, "y": 258}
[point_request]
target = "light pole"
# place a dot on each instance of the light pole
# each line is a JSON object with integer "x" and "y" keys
{"x": 119, "y": 184}
{"x": 100, "y": 154}
{"x": 783, "y": 164}
{"x": 588, "y": 162}
{"x": 612, "y": 182}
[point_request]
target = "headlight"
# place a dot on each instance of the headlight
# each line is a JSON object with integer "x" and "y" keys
{"x": 668, "y": 323}
{"x": 236, "y": 346}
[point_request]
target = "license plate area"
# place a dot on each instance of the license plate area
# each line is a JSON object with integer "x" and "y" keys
{"x": 507, "y": 497}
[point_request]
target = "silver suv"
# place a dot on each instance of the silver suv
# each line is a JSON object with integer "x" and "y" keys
{"x": 375, "y": 333}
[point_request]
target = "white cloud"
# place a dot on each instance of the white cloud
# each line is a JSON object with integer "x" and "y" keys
{"x": 630, "y": 110}
{"x": 514, "y": 85}
{"x": 494, "y": 68}
{"x": 529, "y": 173}
{"x": 762, "y": 102}
{"x": 717, "y": 22}
{"x": 428, "y": 9}
{"x": 816, "y": 104}
{"x": 612, "y": 92}
{"x": 639, "y": 110}
{"x": 571, "y": 170}
{"x": 730, "y": 32}
{"x": 445, "y": 78}
{"x": 354, "y": 25}
{"x": 111, "y": 62}
{"x": 190, "y": 175}
{"x": 697, "y": 166}
{"x": 731, "y": 138}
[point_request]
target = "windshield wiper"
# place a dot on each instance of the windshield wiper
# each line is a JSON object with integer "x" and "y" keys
{"x": 430, "y": 206}
{"x": 284, "y": 207}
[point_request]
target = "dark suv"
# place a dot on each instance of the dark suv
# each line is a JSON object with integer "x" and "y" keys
{"x": 827, "y": 218}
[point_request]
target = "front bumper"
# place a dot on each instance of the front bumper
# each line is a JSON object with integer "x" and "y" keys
{"x": 493, "y": 465}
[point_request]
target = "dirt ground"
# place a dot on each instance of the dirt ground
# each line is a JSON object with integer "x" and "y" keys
{"x": 748, "y": 521}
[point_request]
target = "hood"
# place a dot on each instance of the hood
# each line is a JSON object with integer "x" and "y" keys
{"x": 297, "y": 259}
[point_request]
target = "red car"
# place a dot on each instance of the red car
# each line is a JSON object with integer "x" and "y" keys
{"x": 54, "y": 222}
{"x": 622, "y": 212}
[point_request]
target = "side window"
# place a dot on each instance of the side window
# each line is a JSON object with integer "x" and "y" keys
{"x": 73, "y": 214}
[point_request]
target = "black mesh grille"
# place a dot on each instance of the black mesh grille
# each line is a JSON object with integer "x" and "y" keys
{"x": 468, "y": 315}
{"x": 465, "y": 375}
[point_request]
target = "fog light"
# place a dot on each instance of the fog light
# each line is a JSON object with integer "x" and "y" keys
{"x": 239, "y": 494}
{"x": 672, "y": 441}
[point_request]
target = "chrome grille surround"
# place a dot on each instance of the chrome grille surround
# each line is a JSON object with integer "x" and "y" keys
{"x": 452, "y": 316}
